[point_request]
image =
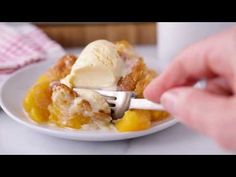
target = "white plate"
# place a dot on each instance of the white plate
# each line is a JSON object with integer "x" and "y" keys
{"x": 14, "y": 89}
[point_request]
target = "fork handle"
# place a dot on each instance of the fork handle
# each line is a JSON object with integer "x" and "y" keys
{"x": 144, "y": 104}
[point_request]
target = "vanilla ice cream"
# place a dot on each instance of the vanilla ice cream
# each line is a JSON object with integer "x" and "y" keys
{"x": 98, "y": 66}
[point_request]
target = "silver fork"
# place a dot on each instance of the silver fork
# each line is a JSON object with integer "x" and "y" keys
{"x": 120, "y": 101}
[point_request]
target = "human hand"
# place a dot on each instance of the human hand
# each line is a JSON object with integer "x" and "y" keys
{"x": 212, "y": 110}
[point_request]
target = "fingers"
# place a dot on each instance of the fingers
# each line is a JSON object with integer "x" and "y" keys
{"x": 172, "y": 77}
{"x": 213, "y": 115}
{"x": 218, "y": 86}
{"x": 212, "y": 57}
{"x": 198, "y": 109}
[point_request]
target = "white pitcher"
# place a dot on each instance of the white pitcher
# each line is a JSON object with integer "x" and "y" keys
{"x": 174, "y": 36}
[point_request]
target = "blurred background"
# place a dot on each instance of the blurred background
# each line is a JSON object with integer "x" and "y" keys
{"x": 80, "y": 34}
{"x": 22, "y": 44}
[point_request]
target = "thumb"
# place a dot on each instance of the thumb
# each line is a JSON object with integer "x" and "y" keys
{"x": 196, "y": 108}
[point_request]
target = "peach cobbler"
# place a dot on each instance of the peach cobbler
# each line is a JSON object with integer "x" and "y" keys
{"x": 101, "y": 65}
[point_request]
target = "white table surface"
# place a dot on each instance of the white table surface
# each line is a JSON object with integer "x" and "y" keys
{"x": 17, "y": 139}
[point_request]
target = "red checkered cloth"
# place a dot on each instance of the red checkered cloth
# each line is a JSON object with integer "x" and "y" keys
{"x": 22, "y": 44}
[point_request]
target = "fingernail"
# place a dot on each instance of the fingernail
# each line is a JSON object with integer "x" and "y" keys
{"x": 168, "y": 100}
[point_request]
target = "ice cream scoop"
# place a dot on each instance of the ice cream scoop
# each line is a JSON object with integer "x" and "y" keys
{"x": 98, "y": 66}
